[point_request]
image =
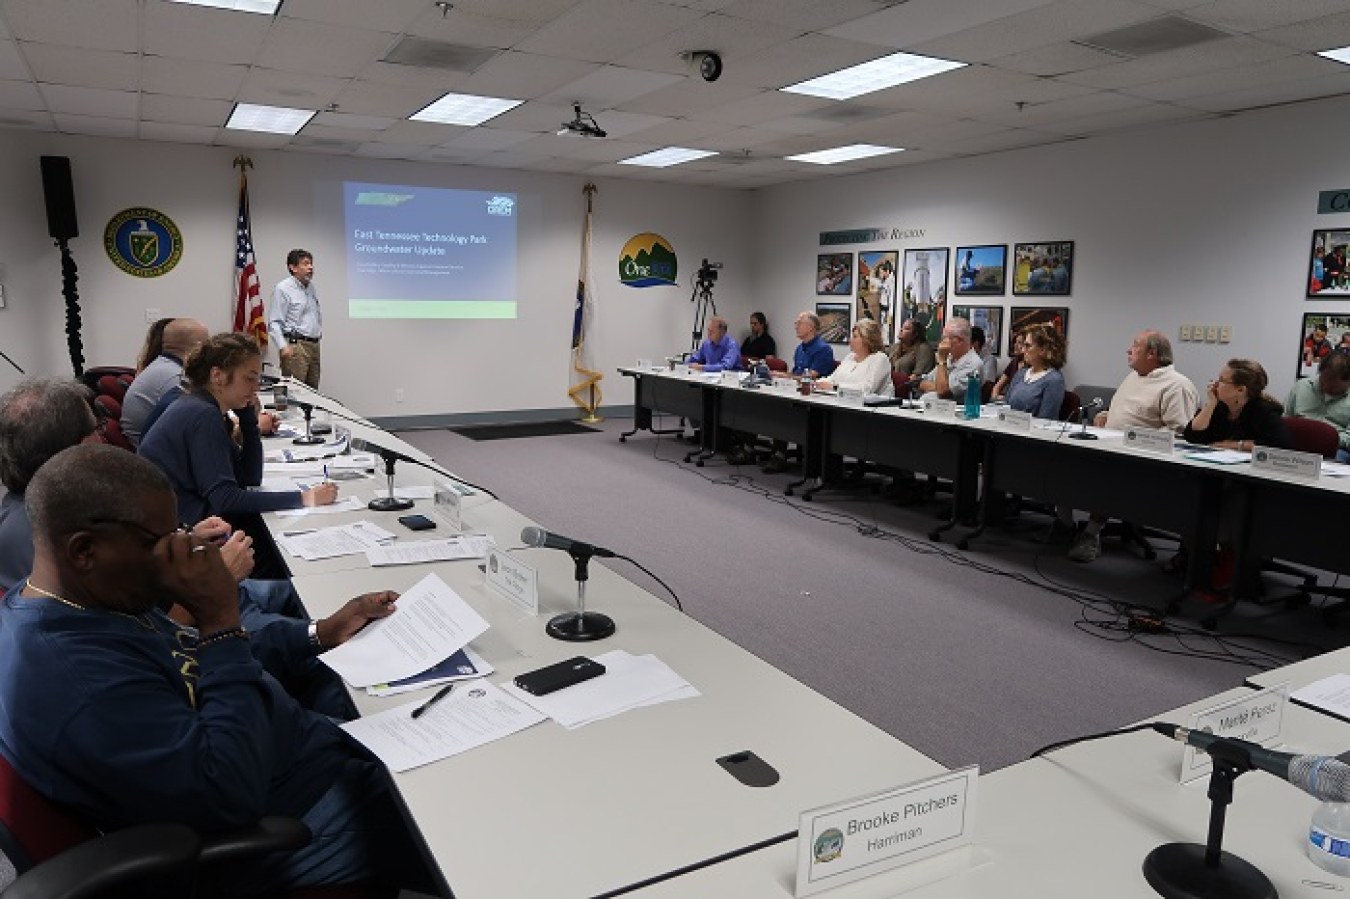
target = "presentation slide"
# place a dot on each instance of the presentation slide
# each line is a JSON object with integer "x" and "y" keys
{"x": 425, "y": 252}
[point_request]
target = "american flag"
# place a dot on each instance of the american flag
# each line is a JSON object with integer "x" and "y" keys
{"x": 248, "y": 307}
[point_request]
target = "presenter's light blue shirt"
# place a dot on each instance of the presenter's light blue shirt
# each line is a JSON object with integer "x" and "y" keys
{"x": 295, "y": 310}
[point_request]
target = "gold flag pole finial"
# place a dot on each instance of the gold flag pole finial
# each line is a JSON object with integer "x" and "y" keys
{"x": 242, "y": 163}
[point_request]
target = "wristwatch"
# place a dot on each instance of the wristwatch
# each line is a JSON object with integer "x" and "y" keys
{"x": 314, "y": 635}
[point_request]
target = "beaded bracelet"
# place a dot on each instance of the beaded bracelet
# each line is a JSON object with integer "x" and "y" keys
{"x": 223, "y": 635}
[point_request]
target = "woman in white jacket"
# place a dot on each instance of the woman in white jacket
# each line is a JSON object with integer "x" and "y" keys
{"x": 867, "y": 368}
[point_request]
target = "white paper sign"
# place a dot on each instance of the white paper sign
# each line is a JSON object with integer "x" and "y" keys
{"x": 1255, "y": 717}
{"x": 850, "y": 396}
{"x": 1011, "y": 418}
{"x": 731, "y": 379}
{"x": 682, "y": 369}
{"x": 448, "y": 505}
{"x": 644, "y": 364}
{"x": 1330, "y": 694}
{"x": 841, "y": 843}
{"x": 1287, "y": 462}
{"x": 1147, "y": 440}
{"x": 514, "y": 581}
{"x": 939, "y": 407}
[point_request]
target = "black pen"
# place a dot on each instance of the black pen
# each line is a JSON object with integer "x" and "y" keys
{"x": 440, "y": 694}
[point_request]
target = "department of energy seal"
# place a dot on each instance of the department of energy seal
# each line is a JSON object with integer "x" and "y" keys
{"x": 143, "y": 242}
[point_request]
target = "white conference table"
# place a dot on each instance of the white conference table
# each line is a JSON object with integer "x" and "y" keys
{"x": 1308, "y": 671}
{"x": 558, "y": 813}
{"x": 1079, "y": 823}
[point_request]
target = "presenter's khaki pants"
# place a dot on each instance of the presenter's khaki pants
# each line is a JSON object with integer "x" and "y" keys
{"x": 303, "y": 364}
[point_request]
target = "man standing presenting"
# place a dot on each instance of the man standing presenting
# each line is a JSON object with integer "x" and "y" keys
{"x": 295, "y": 322}
{"x": 720, "y": 352}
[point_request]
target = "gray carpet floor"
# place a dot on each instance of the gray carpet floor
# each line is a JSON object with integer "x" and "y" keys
{"x": 972, "y": 657}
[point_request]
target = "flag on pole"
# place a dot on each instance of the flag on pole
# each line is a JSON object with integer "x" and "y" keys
{"x": 248, "y": 307}
{"x": 585, "y": 390}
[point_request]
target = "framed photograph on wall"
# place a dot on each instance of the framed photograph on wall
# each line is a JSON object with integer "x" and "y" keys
{"x": 981, "y": 271}
{"x": 988, "y": 318}
{"x": 836, "y": 321}
{"x": 1043, "y": 269}
{"x": 834, "y": 274}
{"x": 1323, "y": 333}
{"x": 1023, "y": 316}
{"x": 924, "y": 294}
{"x": 1328, "y": 271}
{"x": 876, "y": 289}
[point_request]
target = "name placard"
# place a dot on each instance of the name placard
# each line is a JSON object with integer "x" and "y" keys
{"x": 1255, "y": 717}
{"x": 681, "y": 369}
{"x": 1011, "y": 418}
{"x": 644, "y": 364}
{"x": 1287, "y": 462}
{"x": 942, "y": 408}
{"x": 448, "y": 505}
{"x": 514, "y": 581}
{"x": 850, "y": 396}
{"x": 731, "y": 379}
{"x": 848, "y": 841}
{"x": 1148, "y": 440}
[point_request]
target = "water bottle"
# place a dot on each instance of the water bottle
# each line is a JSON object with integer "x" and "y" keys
{"x": 1329, "y": 838}
{"x": 973, "y": 396}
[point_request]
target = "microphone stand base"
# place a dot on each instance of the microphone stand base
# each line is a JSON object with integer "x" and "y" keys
{"x": 389, "y": 504}
{"x": 1079, "y": 435}
{"x": 1178, "y": 871}
{"x": 307, "y": 441}
{"x": 580, "y": 627}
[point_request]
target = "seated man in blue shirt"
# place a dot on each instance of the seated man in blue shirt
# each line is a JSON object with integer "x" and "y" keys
{"x": 719, "y": 352}
{"x": 141, "y": 720}
{"x": 814, "y": 358}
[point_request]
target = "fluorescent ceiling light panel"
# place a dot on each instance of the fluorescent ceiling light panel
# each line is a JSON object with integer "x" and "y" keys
{"x": 660, "y": 159}
{"x": 266, "y": 7}
{"x": 845, "y": 154}
{"x": 1339, "y": 54}
{"x": 864, "y": 78}
{"x": 464, "y": 109}
{"x": 272, "y": 119}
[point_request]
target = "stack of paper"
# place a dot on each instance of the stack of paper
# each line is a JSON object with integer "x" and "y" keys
{"x": 329, "y": 543}
{"x": 432, "y": 622}
{"x": 346, "y": 504}
{"x": 629, "y": 681}
{"x": 470, "y": 546}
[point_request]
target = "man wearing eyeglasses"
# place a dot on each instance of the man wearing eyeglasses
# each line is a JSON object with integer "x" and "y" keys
{"x": 113, "y": 710}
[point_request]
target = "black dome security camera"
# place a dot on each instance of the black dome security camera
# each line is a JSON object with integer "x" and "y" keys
{"x": 709, "y": 65}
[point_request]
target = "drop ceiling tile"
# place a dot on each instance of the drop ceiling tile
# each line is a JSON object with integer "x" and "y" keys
{"x": 386, "y": 15}
{"x": 1273, "y": 94}
{"x": 416, "y": 76}
{"x": 1275, "y": 71}
{"x": 623, "y": 124}
{"x": 428, "y": 134}
{"x": 297, "y": 90}
{"x": 488, "y": 139}
{"x": 296, "y": 46}
{"x": 1051, "y": 24}
{"x": 994, "y": 143}
{"x": 197, "y": 32}
{"x": 11, "y": 64}
{"x": 800, "y": 124}
{"x": 91, "y": 24}
{"x": 304, "y": 143}
{"x": 352, "y": 122}
{"x": 371, "y": 98}
{"x": 802, "y": 15}
{"x": 551, "y": 164}
{"x": 534, "y": 116}
{"x": 96, "y": 125}
{"x": 169, "y": 109}
{"x": 82, "y": 67}
{"x": 354, "y": 136}
{"x": 191, "y": 78}
{"x": 1176, "y": 5}
{"x": 1036, "y": 115}
{"x": 482, "y": 28}
{"x": 739, "y": 139}
{"x": 89, "y": 101}
{"x": 610, "y": 86}
{"x": 389, "y": 151}
{"x": 603, "y": 30}
{"x": 798, "y": 60}
{"x": 525, "y": 75}
{"x": 178, "y": 134}
{"x": 1056, "y": 59}
{"x": 1125, "y": 119}
{"x": 1257, "y": 15}
{"x": 690, "y": 96}
{"x": 1197, "y": 60}
{"x": 26, "y": 119}
{"x": 762, "y": 107}
{"x": 680, "y": 132}
{"x": 20, "y": 95}
{"x": 964, "y": 92}
{"x": 733, "y": 38}
{"x": 1312, "y": 35}
{"x": 252, "y": 140}
{"x": 918, "y": 21}
{"x": 572, "y": 147}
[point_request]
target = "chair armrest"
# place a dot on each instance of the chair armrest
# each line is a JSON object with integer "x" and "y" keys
{"x": 268, "y": 835}
{"x": 116, "y": 859}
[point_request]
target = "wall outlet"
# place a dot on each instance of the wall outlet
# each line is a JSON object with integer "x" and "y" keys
{"x": 1225, "y": 333}
{"x": 152, "y": 316}
{"x": 1211, "y": 333}
{"x": 398, "y": 394}
{"x": 1197, "y": 332}
{"x": 1185, "y": 333}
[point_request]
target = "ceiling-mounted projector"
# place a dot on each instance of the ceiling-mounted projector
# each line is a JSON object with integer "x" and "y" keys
{"x": 584, "y": 124}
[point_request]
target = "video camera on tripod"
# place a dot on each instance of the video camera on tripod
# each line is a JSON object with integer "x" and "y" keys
{"x": 702, "y": 299}
{"x": 707, "y": 274}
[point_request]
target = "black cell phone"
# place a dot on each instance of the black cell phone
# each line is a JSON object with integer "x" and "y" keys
{"x": 416, "y": 522}
{"x": 546, "y": 680}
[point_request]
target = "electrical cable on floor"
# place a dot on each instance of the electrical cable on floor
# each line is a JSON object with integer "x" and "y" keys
{"x": 1101, "y": 616}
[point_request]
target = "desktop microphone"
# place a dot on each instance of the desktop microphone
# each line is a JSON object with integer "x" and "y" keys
{"x": 1323, "y": 777}
{"x": 1083, "y": 420}
{"x": 538, "y": 537}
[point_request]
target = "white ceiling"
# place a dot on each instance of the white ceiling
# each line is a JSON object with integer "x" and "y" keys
{"x": 158, "y": 70}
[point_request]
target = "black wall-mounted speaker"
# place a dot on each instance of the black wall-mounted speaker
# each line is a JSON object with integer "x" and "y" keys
{"x": 59, "y": 191}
